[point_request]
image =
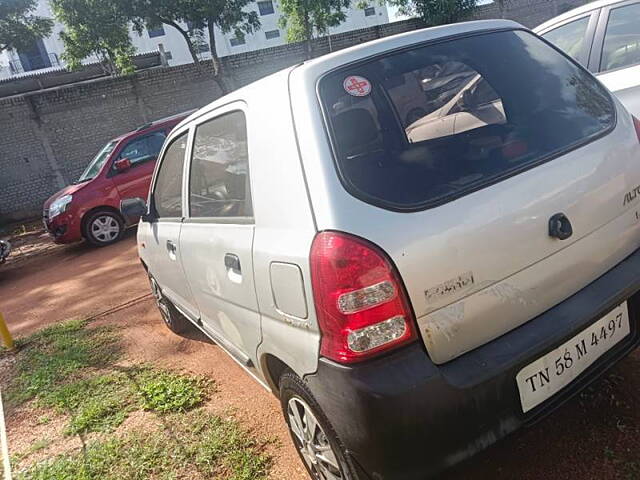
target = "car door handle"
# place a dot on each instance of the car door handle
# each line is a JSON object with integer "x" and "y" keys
{"x": 232, "y": 262}
{"x": 171, "y": 246}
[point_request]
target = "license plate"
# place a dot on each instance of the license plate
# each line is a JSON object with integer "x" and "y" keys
{"x": 549, "y": 374}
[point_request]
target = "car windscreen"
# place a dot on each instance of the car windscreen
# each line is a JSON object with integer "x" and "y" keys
{"x": 96, "y": 164}
{"x": 419, "y": 127}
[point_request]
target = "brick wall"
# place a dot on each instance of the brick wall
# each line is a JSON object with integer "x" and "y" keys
{"x": 47, "y": 137}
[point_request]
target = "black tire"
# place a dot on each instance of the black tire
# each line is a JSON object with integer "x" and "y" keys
{"x": 293, "y": 388}
{"x": 172, "y": 318}
{"x": 103, "y": 227}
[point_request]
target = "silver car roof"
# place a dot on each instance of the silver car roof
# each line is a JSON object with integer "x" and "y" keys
{"x": 374, "y": 47}
{"x": 320, "y": 65}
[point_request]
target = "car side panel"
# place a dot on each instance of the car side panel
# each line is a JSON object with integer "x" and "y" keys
{"x": 625, "y": 84}
{"x": 284, "y": 225}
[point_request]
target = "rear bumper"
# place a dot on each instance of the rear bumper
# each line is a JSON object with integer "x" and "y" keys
{"x": 403, "y": 417}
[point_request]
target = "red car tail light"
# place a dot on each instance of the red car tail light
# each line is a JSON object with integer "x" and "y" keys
{"x": 361, "y": 303}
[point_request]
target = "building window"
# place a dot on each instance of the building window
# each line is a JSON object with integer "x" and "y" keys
{"x": 272, "y": 34}
{"x": 155, "y": 31}
{"x": 34, "y": 58}
{"x": 369, "y": 11}
{"x": 201, "y": 47}
{"x": 236, "y": 41}
{"x": 266, "y": 7}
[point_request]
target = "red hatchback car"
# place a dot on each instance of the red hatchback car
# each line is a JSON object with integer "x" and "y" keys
{"x": 89, "y": 208}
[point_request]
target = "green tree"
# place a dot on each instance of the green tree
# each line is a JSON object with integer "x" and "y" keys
{"x": 19, "y": 28}
{"x": 436, "y": 12}
{"x": 95, "y": 27}
{"x": 201, "y": 16}
{"x": 305, "y": 19}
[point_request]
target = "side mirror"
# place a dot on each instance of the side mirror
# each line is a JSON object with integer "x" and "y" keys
{"x": 134, "y": 208}
{"x": 122, "y": 164}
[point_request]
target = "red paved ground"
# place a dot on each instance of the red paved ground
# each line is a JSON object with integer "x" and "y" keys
{"x": 595, "y": 436}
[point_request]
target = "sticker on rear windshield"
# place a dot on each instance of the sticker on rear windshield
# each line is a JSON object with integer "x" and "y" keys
{"x": 357, "y": 86}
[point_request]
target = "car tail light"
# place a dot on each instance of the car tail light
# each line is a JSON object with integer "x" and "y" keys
{"x": 361, "y": 304}
{"x": 636, "y": 123}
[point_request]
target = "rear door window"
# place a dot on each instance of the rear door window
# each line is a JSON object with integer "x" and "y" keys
{"x": 622, "y": 38}
{"x": 571, "y": 38}
{"x": 219, "y": 177}
{"x": 423, "y": 126}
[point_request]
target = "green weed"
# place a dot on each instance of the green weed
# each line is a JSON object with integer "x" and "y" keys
{"x": 194, "y": 445}
{"x": 166, "y": 392}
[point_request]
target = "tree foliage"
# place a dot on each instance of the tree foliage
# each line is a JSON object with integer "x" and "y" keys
{"x": 305, "y": 19}
{"x": 95, "y": 27}
{"x": 19, "y": 27}
{"x": 202, "y": 16}
{"x": 436, "y": 12}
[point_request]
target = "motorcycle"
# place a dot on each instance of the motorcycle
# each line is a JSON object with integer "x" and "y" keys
{"x": 5, "y": 250}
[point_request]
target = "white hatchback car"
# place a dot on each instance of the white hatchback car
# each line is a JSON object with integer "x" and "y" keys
{"x": 410, "y": 301}
{"x": 605, "y": 37}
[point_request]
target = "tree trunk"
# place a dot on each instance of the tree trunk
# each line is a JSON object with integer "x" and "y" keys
{"x": 224, "y": 82}
{"x": 502, "y": 7}
{"x": 186, "y": 37}
{"x": 308, "y": 32}
{"x": 108, "y": 62}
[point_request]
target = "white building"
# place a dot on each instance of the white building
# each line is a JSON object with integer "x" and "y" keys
{"x": 46, "y": 53}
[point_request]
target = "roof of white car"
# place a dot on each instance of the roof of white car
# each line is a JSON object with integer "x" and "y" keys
{"x": 363, "y": 50}
{"x": 575, "y": 12}
{"x": 373, "y": 47}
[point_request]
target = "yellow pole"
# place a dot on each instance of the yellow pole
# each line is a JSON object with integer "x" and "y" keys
{"x": 4, "y": 333}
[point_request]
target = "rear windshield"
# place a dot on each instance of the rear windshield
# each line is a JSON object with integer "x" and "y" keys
{"x": 423, "y": 126}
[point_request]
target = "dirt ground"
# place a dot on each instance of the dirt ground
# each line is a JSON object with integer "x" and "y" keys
{"x": 596, "y": 435}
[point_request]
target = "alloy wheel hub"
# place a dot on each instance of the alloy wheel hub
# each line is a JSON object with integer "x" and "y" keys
{"x": 105, "y": 228}
{"x": 312, "y": 441}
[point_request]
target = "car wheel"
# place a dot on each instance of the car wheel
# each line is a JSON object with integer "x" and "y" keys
{"x": 103, "y": 228}
{"x": 313, "y": 436}
{"x": 172, "y": 318}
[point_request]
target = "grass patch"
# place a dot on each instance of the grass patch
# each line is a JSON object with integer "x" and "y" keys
{"x": 55, "y": 354}
{"x": 43, "y": 420}
{"x": 195, "y": 445}
{"x": 70, "y": 369}
{"x": 166, "y": 392}
{"x": 96, "y": 404}
{"x": 102, "y": 402}
{"x": 98, "y": 415}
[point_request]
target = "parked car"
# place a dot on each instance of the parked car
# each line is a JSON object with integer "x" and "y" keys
{"x": 410, "y": 303}
{"x": 605, "y": 37}
{"x": 5, "y": 250}
{"x": 122, "y": 169}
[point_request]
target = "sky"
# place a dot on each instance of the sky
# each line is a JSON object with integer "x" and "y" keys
{"x": 394, "y": 16}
